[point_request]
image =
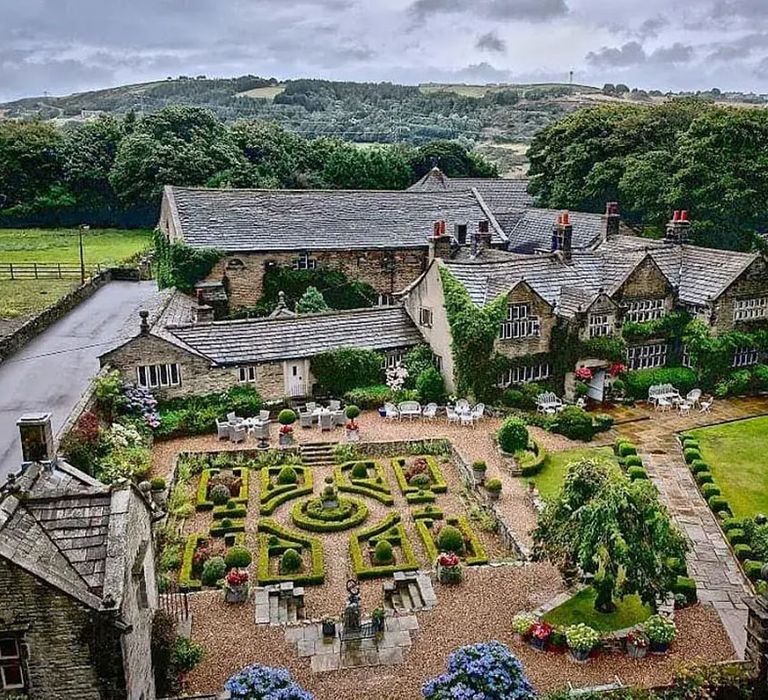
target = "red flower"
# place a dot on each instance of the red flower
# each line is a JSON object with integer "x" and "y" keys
{"x": 617, "y": 368}
{"x": 352, "y": 425}
{"x": 584, "y": 374}
{"x": 448, "y": 560}
{"x": 541, "y": 631}
{"x": 286, "y": 429}
{"x": 237, "y": 577}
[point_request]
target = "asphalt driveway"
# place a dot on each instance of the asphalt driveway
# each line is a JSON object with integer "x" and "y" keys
{"x": 52, "y": 372}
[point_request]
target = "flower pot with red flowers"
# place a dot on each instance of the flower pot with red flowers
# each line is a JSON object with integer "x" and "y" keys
{"x": 352, "y": 429}
{"x": 637, "y": 644}
{"x": 448, "y": 568}
{"x": 522, "y": 624}
{"x": 539, "y": 635}
{"x": 236, "y": 586}
{"x": 286, "y": 418}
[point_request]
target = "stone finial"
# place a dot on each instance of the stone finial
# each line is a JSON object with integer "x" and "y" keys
{"x": 144, "y": 326}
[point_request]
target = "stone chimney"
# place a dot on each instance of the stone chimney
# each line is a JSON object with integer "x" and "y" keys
{"x": 440, "y": 242}
{"x": 203, "y": 313}
{"x": 37, "y": 438}
{"x": 679, "y": 227}
{"x": 562, "y": 236}
{"x": 144, "y": 326}
{"x": 612, "y": 219}
{"x": 482, "y": 239}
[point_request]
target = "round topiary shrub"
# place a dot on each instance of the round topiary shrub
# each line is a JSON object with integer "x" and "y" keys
{"x": 158, "y": 483}
{"x": 575, "y": 424}
{"x": 710, "y": 490}
{"x": 290, "y": 562}
{"x": 420, "y": 480}
{"x": 635, "y": 473}
{"x": 699, "y": 465}
{"x": 691, "y": 454}
{"x": 718, "y": 504}
{"x": 238, "y": 557}
{"x": 633, "y": 461}
{"x": 704, "y": 478}
{"x": 360, "y": 470}
{"x": 513, "y": 435}
{"x": 231, "y": 505}
{"x": 226, "y": 523}
{"x": 287, "y": 475}
{"x": 626, "y": 449}
{"x": 219, "y": 494}
{"x": 493, "y": 485}
{"x": 450, "y": 539}
{"x": 383, "y": 553}
{"x": 352, "y": 412}
{"x": 286, "y": 417}
{"x": 213, "y": 570}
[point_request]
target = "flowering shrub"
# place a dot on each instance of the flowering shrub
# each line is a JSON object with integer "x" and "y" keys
{"x": 121, "y": 436}
{"x": 237, "y": 577}
{"x": 583, "y": 374}
{"x": 481, "y": 672}
{"x": 541, "y": 631}
{"x": 522, "y": 622}
{"x": 637, "y": 639}
{"x": 617, "y": 368}
{"x": 140, "y": 402}
{"x": 264, "y": 683}
{"x": 448, "y": 559}
{"x": 660, "y": 629}
{"x": 581, "y": 637}
{"x": 396, "y": 377}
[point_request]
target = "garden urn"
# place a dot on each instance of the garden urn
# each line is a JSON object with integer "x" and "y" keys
{"x": 329, "y": 627}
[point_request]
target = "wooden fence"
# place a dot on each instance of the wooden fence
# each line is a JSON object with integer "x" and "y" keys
{"x": 33, "y": 270}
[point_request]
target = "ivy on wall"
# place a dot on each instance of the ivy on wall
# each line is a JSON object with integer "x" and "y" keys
{"x": 178, "y": 265}
{"x": 671, "y": 326}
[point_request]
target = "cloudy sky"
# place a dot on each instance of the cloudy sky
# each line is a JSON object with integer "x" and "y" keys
{"x": 61, "y": 46}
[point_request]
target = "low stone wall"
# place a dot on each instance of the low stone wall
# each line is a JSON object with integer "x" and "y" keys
{"x": 86, "y": 403}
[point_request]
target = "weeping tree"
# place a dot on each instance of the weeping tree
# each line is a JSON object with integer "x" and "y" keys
{"x": 612, "y": 528}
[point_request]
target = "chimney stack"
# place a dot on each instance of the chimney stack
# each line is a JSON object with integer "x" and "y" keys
{"x": 203, "y": 313}
{"x": 144, "y": 327}
{"x": 37, "y": 438}
{"x": 679, "y": 227}
{"x": 612, "y": 219}
{"x": 562, "y": 236}
{"x": 481, "y": 239}
{"x": 440, "y": 242}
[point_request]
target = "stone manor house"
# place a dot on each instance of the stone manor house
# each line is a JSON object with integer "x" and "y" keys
{"x": 583, "y": 271}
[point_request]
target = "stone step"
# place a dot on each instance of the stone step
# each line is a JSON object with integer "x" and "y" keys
{"x": 273, "y": 603}
{"x": 415, "y": 595}
{"x": 427, "y": 590}
{"x": 292, "y": 614}
{"x": 282, "y": 611}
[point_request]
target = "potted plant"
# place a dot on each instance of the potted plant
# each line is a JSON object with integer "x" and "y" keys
{"x": 540, "y": 633}
{"x": 581, "y": 639}
{"x": 236, "y": 586}
{"x": 158, "y": 491}
{"x": 329, "y": 627}
{"x": 493, "y": 486}
{"x": 377, "y": 618}
{"x": 531, "y": 487}
{"x": 522, "y": 624}
{"x": 352, "y": 429}
{"x": 286, "y": 418}
{"x": 637, "y": 644}
{"x": 448, "y": 568}
{"x": 479, "y": 468}
{"x": 661, "y": 632}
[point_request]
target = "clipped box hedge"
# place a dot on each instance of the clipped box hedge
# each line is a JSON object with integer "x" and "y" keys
{"x": 400, "y": 538}
{"x": 186, "y": 581}
{"x": 691, "y": 455}
{"x": 733, "y": 524}
{"x": 377, "y": 487}
{"x": 699, "y": 465}
{"x": 536, "y": 466}
{"x": 286, "y": 539}
{"x": 218, "y": 529}
{"x": 704, "y": 478}
{"x": 625, "y": 449}
{"x": 754, "y": 569}
{"x": 478, "y": 552}
{"x": 635, "y": 473}
{"x": 737, "y": 536}
{"x": 424, "y": 514}
{"x": 238, "y": 511}
{"x": 718, "y": 504}
{"x": 438, "y": 484}
{"x": 241, "y": 473}
{"x": 305, "y": 521}
{"x": 710, "y": 490}
{"x": 271, "y": 498}
{"x": 742, "y": 551}
{"x": 633, "y": 461}
{"x": 686, "y": 586}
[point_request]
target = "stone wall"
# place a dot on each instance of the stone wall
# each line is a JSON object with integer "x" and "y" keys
{"x": 61, "y": 638}
{"x": 647, "y": 281}
{"x": 387, "y": 271}
{"x": 517, "y": 347}
{"x": 752, "y": 283}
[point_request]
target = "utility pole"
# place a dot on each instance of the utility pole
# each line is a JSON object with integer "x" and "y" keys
{"x": 84, "y": 227}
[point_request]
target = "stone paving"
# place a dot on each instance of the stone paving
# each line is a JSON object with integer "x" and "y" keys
{"x": 710, "y": 562}
{"x": 331, "y": 654}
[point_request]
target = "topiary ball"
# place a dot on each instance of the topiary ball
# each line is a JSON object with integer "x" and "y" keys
{"x": 513, "y": 435}
{"x": 360, "y": 470}
{"x": 352, "y": 412}
{"x": 213, "y": 569}
{"x": 287, "y": 475}
{"x": 383, "y": 554}
{"x": 290, "y": 562}
{"x": 238, "y": 557}
{"x": 219, "y": 494}
{"x": 450, "y": 539}
{"x": 286, "y": 417}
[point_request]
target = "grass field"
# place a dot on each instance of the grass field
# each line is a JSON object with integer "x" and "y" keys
{"x": 23, "y": 297}
{"x": 581, "y": 608}
{"x": 737, "y": 454}
{"x": 267, "y": 93}
{"x": 103, "y": 246}
{"x": 550, "y": 478}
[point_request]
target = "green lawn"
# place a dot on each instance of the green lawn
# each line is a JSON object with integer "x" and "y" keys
{"x": 550, "y": 478}
{"x": 581, "y": 608}
{"x": 104, "y": 246}
{"x": 22, "y": 297}
{"x": 737, "y": 454}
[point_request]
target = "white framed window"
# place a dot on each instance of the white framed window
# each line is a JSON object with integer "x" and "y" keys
{"x": 393, "y": 358}
{"x": 647, "y": 356}
{"x": 519, "y": 323}
{"x": 304, "y": 262}
{"x": 247, "y": 374}
{"x": 599, "y": 325}
{"x": 524, "y": 374}
{"x": 11, "y": 672}
{"x": 685, "y": 357}
{"x": 746, "y": 357}
{"x": 749, "y": 309}
{"x": 702, "y": 313}
{"x": 425, "y": 317}
{"x": 641, "y": 310}
{"x": 385, "y": 300}
{"x": 158, "y": 376}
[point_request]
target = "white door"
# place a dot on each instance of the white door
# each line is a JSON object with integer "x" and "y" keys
{"x": 597, "y": 385}
{"x": 296, "y": 378}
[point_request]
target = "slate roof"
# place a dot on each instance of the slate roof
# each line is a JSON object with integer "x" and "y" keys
{"x": 270, "y": 339}
{"x": 264, "y": 220}
{"x": 532, "y": 230}
{"x": 56, "y": 525}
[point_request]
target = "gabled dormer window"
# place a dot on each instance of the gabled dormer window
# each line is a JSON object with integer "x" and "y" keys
{"x": 520, "y": 323}
{"x": 599, "y": 325}
{"x": 642, "y": 310}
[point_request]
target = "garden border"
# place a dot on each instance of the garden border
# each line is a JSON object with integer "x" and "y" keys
{"x": 356, "y": 551}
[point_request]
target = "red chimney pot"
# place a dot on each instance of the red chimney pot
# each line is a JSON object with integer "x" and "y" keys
{"x": 566, "y": 218}
{"x": 684, "y": 215}
{"x": 436, "y": 229}
{"x": 676, "y": 215}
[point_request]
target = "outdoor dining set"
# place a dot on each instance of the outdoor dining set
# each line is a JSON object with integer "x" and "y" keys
{"x": 237, "y": 429}
{"x": 325, "y": 417}
{"x": 665, "y": 397}
{"x": 460, "y": 412}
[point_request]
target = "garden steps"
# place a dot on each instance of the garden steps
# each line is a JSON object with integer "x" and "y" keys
{"x": 279, "y": 604}
{"x": 318, "y": 454}
{"x": 409, "y": 591}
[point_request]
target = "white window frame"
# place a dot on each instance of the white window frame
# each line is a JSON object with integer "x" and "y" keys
{"x": 642, "y": 310}
{"x": 524, "y": 374}
{"x": 425, "y": 317}
{"x": 386, "y": 300}
{"x": 746, "y": 357}
{"x": 647, "y": 356}
{"x": 16, "y": 660}
{"x": 393, "y": 358}
{"x": 304, "y": 262}
{"x": 519, "y": 323}
{"x": 750, "y": 309}
{"x": 247, "y": 374}
{"x": 685, "y": 357}
{"x": 599, "y": 325}
{"x": 159, "y": 376}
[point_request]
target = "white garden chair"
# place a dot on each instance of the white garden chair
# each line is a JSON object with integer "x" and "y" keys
{"x": 311, "y": 406}
{"x": 238, "y": 433}
{"x": 222, "y": 429}
{"x": 390, "y": 411}
{"x": 334, "y": 405}
{"x": 305, "y": 419}
{"x": 429, "y": 411}
{"x": 693, "y": 397}
{"x": 706, "y": 406}
{"x": 339, "y": 418}
{"x": 409, "y": 409}
{"x": 478, "y": 412}
{"x": 326, "y": 420}
{"x": 548, "y": 402}
{"x": 264, "y": 416}
{"x": 462, "y": 406}
{"x": 466, "y": 419}
{"x": 450, "y": 412}
{"x": 233, "y": 419}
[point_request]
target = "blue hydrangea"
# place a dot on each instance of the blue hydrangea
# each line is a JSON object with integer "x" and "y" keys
{"x": 481, "y": 672}
{"x": 265, "y": 683}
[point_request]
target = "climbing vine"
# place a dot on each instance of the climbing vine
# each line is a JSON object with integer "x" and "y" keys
{"x": 179, "y": 265}
{"x": 671, "y": 326}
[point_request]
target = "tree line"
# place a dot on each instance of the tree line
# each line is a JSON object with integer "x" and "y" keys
{"x": 111, "y": 170}
{"x": 684, "y": 154}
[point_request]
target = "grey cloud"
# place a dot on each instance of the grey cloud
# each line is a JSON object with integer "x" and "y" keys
{"x": 677, "y": 53}
{"x": 739, "y": 48}
{"x": 525, "y": 10}
{"x": 651, "y": 27}
{"x": 630, "y": 54}
{"x": 491, "y": 42}
{"x": 745, "y": 9}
